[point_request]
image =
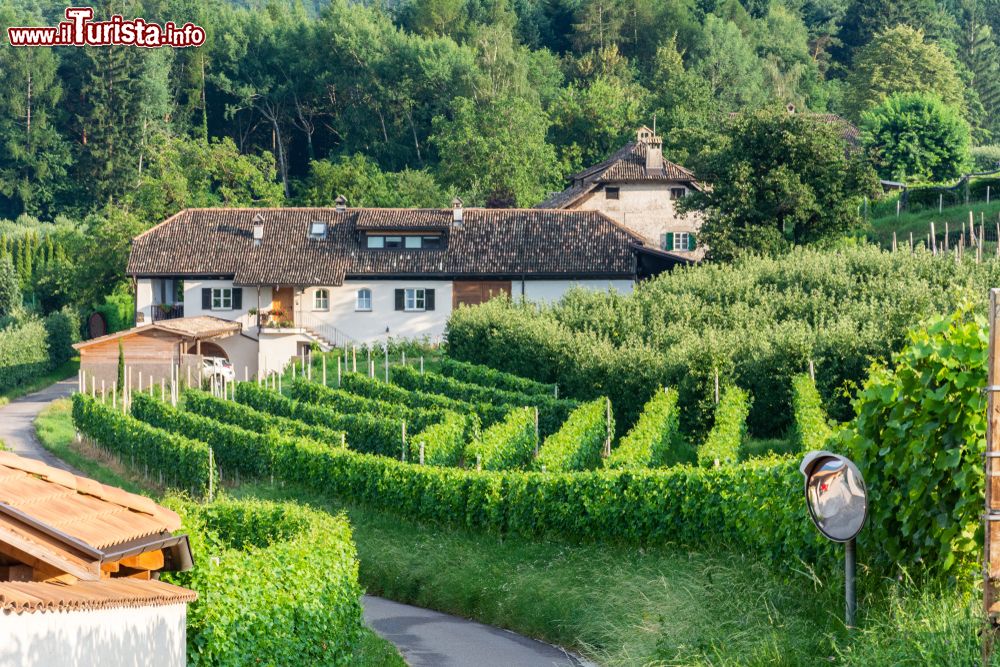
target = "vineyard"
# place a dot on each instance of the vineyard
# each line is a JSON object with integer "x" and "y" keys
{"x": 469, "y": 446}
{"x": 461, "y": 446}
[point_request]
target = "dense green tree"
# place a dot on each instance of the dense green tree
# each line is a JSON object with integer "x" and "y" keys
{"x": 978, "y": 51}
{"x": 197, "y": 173}
{"x": 10, "y": 292}
{"x": 107, "y": 239}
{"x": 780, "y": 179}
{"x": 596, "y": 119}
{"x": 33, "y": 155}
{"x": 363, "y": 184}
{"x": 916, "y": 137}
{"x": 867, "y": 18}
{"x": 900, "y": 60}
{"x": 727, "y": 60}
{"x": 495, "y": 153}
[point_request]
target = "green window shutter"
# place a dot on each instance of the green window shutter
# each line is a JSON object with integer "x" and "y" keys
{"x": 400, "y": 296}
{"x": 237, "y": 298}
{"x": 206, "y": 298}
{"x": 691, "y": 242}
{"x": 428, "y": 299}
{"x": 669, "y": 245}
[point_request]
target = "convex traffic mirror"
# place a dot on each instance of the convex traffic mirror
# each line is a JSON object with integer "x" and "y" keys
{"x": 835, "y": 494}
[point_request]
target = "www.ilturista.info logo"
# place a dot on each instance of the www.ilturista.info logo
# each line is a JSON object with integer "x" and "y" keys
{"x": 79, "y": 30}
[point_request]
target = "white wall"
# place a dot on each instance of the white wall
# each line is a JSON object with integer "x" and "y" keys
{"x": 243, "y": 354}
{"x": 123, "y": 637}
{"x": 192, "y": 301}
{"x": 371, "y": 326}
{"x": 645, "y": 208}
{"x": 144, "y": 300}
{"x": 547, "y": 291}
{"x": 276, "y": 349}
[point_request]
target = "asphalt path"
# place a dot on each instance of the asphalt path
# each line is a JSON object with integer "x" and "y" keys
{"x": 17, "y": 428}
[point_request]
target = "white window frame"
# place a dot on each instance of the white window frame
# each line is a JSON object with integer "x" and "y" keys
{"x": 321, "y": 299}
{"x": 415, "y": 300}
{"x": 363, "y": 300}
{"x": 223, "y": 296}
{"x": 678, "y": 245}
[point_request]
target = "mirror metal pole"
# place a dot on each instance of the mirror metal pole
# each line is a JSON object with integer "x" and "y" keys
{"x": 849, "y": 569}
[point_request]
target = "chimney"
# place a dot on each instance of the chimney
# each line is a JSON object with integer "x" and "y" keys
{"x": 457, "y": 217}
{"x": 654, "y": 155}
{"x": 258, "y": 229}
{"x": 341, "y": 202}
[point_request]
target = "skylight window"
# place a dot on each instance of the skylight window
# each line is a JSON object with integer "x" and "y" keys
{"x": 317, "y": 229}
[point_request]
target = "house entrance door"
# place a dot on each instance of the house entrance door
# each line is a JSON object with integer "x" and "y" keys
{"x": 283, "y": 299}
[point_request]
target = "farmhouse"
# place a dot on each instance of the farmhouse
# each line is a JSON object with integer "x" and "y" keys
{"x": 291, "y": 277}
{"x": 79, "y": 568}
{"x": 639, "y": 189}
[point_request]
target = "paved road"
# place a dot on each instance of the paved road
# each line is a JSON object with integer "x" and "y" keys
{"x": 424, "y": 637}
{"x": 17, "y": 429}
{"x": 431, "y": 639}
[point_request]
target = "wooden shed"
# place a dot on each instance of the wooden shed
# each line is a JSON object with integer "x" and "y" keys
{"x": 153, "y": 352}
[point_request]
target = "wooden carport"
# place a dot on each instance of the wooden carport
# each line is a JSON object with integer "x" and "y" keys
{"x": 153, "y": 352}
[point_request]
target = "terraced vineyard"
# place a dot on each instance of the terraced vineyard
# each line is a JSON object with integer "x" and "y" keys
{"x": 472, "y": 447}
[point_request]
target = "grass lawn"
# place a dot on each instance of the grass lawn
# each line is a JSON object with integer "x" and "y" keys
{"x": 919, "y": 223}
{"x": 61, "y": 372}
{"x": 624, "y": 605}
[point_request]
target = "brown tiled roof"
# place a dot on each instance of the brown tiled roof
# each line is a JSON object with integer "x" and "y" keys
{"x": 29, "y": 596}
{"x": 402, "y": 218}
{"x": 626, "y": 165}
{"x": 489, "y": 242}
{"x": 100, "y": 516}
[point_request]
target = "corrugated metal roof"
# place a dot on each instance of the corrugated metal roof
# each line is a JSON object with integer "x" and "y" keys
{"x": 31, "y": 596}
{"x": 488, "y": 242}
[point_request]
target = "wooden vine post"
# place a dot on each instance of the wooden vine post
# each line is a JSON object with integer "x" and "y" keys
{"x": 607, "y": 425}
{"x": 991, "y": 546}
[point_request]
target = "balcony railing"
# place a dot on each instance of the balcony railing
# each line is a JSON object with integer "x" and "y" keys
{"x": 168, "y": 311}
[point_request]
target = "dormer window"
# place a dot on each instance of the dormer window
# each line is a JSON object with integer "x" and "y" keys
{"x": 317, "y": 229}
{"x": 408, "y": 241}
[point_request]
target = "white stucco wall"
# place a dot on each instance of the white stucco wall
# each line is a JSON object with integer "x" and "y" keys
{"x": 547, "y": 291}
{"x": 192, "y": 301}
{"x": 144, "y": 300}
{"x": 276, "y": 350}
{"x": 243, "y": 354}
{"x": 645, "y": 208}
{"x": 367, "y": 327}
{"x": 124, "y": 637}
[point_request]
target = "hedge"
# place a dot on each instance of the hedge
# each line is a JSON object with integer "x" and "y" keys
{"x": 655, "y": 440}
{"x": 182, "y": 463}
{"x": 237, "y": 414}
{"x": 552, "y": 412}
{"x": 62, "y": 330}
{"x": 277, "y": 584}
{"x": 506, "y": 445}
{"x": 812, "y": 428}
{"x": 723, "y": 443}
{"x": 757, "y": 505}
{"x": 239, "y": 452}
{"x": 444, "y": 442}
{"x": 391, "y": 393}
{"x": 365, "y": 433}
{"x": 491, "y": 377}
{"x": 346, "y": 402}
{"x": 580, "y": 441}
{"x": 24, "y": 352}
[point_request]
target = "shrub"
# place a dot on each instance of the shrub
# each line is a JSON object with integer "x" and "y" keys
{"x": 919, "y": 438}
{"x": 276, "y": 582}
{"x": 10, "y": 290}
{"x": 723, "y": 443}
{"x": 506, "y": 445}
{"x": 391, "y": 393}
{"x": 443, "y": 442}
{"x": 812, "y": 429}
{"x": 182, "y": 463}
{"x": 62, "y": 329}
{"x": 345, "y": 402}
{"x": 655, "y": 440}
{"x": 580, "y": 441}
{"x": 365, "y": 433}
{"x": 24, "y": 352}
{"x": 757, "y": 321}
{"x": 986, "y": 158}
{"x": 552, "y": 412}
{"x": 118, "y": 311}
{"x": 228, "y": 412}
{"x": 490, "y": 377}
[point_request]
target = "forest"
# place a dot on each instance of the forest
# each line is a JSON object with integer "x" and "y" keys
{"x": 410, "y": 103}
